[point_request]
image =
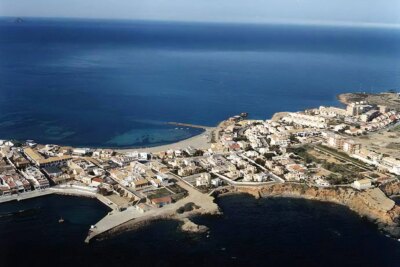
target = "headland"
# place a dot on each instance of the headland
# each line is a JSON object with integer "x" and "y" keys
{"x": 319, "y": 154}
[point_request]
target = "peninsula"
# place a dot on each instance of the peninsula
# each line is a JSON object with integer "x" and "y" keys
{"x": 347, "y": 156}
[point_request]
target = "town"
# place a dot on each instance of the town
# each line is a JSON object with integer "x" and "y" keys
{"x": 321, "y": 147}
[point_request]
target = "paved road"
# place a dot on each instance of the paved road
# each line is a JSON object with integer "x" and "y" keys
{"x": 275, "y": 177}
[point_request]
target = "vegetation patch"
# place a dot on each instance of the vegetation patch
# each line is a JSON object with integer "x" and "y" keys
{"x": 187, "y": 207}
{"x": 162, "y": 192}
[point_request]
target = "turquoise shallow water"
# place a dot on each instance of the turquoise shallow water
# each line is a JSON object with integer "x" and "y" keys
{"x": 116, "y": 83}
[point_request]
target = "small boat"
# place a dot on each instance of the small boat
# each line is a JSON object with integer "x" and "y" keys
{"x": 61, "y": 220}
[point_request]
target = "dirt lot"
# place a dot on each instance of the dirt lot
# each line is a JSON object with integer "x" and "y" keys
{"x": 119, "y": 201}
{"x": 391, "y": 100}
{"x": 322, "y": 156}
{"x": 387, "y": 142}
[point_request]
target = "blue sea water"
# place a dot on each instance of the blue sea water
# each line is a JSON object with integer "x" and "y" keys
{"x": 116, "y": 83}
{"x": 263, "y": 232}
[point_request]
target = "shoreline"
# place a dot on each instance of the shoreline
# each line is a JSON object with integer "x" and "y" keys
{"x": 115, "y": 221}
{"x": 372, "y": 203}
{"x": 193, "y": 140}
{"x": 199, "y": 141}
{"x": 356, "y": 201}
{"x": 385, "y": 220}
{"x": 389, "y": 99}
{"x": 61, "y": 191}
{"x": 366, "y": 204}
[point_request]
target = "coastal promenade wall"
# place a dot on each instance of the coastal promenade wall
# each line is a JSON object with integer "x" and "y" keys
{"x": 26, "y": 195}
{"x": 69, "y": 190}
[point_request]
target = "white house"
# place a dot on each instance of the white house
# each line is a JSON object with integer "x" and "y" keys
{"x": 362, "y": 184}
{"x": 216, "y": 182}
{"x": 80, "y": 151}
{"x": 204, "y": 179}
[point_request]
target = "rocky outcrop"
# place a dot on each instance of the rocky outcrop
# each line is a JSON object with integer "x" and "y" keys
{"x": 191, "y": 227}
{"x": 392, "y": 188}
{"x": 372, "y": 203}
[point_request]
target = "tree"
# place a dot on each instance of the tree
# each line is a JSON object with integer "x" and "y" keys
{"x": 293, "y": 139}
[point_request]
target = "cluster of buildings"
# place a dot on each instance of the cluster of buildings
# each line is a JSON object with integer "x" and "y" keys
{"x": 11, "y": 182}
{"x": 268, "y": 142}
{"x": 139, "y": 176}
{"x": 130, "y": 176}
{"x": 245, "y": 151}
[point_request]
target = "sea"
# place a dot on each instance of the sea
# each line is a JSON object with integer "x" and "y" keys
{"x": 105, "y": 83}
{"x": 251, "y": 232}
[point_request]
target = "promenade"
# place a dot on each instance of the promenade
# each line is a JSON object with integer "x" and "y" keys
{"x": 79, "y": 191}
{"x": 26, "y": 195}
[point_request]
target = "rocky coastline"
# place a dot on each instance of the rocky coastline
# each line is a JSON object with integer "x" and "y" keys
{"x": 371, "y": 204}
{"x": 185, "y": 224}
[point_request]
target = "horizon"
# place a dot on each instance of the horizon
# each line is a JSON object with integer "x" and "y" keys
{"x": 161, "y": 109}
{"x": 342, "y": 24}
{"x": 357, "y": 12}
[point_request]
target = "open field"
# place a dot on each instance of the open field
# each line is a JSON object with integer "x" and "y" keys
{"x": 391, "y": 100}
{"x": 385, "y": 142}
{"x": 336, "y": 168}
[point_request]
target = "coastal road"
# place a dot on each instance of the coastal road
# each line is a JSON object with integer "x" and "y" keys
{"x": 273, "y": 176}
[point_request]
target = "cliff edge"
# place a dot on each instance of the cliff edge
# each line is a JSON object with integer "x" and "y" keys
{"x": 372, "y": 204}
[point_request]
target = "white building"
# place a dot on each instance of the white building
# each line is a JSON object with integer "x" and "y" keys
{"x": 362, "y": 184}
{"x": 80, "y": 151}
{"x": 204, "y": 179}
{"x": 216, "y": 182}
{"x": 306, "y": 120}
{"x": 392, "y": 164}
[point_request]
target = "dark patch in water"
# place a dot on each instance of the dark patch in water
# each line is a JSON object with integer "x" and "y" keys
{"x": 276, "y": 232}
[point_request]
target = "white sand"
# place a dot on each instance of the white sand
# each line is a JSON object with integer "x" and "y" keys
{"x": 201, "y": 141}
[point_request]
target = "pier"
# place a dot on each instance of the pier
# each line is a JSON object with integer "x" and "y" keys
{"x": 180, "y": 124}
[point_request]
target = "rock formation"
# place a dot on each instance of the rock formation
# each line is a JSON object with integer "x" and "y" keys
{"x": 372, "y": 204}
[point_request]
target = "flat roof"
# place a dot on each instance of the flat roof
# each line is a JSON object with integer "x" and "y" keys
{"x": 33, "y": 154}
{"x": 364, "y": 181}
{"x": 141, "y": 182}
{"x": 52, "y": 169}
{"x": 54, "y": 159}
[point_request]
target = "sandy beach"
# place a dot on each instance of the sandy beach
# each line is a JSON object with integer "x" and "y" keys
{"x": 201, "y": 141}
